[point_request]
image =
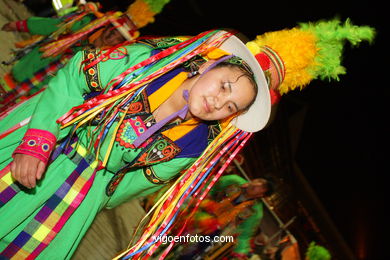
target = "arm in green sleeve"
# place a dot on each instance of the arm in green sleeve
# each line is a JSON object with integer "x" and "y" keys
{"x": 47, "y": 25}
{"x": 67, "y": 88}
{"x": 42, "y": 25}
{"x": 64, "y": 91}
{"x": 246, "y": 230}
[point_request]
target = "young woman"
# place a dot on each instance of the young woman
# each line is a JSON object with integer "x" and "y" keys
{"x": 58, "y": 199}
{"x": 116, "y": 125}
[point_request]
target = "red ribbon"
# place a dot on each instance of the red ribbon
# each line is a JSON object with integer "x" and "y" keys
{"x": 234, "y": 142}
{"x": 71, "y": 114}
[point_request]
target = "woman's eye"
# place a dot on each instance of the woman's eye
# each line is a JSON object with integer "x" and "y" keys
{"x": 224, "y": 85}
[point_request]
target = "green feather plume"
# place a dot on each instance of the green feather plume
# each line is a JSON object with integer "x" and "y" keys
{"x": 316, "y": 252}
{"x": 331, "y": 36}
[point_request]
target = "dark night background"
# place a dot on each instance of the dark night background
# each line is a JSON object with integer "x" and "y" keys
{"x": 342, "y": 150}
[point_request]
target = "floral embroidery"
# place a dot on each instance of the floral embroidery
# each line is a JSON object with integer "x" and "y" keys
{"x": 155, "y": 150}
{"x": 134, "y": 125}
{"x": 151, "y": 176}
{"x": 138, "y": 119}
{"x": 129, "y": 130}
{"x": 161, "y": 43}
{"x": 161, "y": 149}
{"x": 114, "y": 182}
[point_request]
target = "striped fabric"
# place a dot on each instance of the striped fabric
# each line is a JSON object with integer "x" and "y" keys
{"x": 55, "y": 212}
{"x": 25, "y": 87}
{"x": 277, "y": 61}
{"x": 8, "y": 188}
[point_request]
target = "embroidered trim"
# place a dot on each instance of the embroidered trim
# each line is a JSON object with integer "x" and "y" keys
{"x": 161, "y": 43}
{"x": 162, "y": 149}
{"x": 92, "y": 74}
{"x": 151, "y": 176}
{"x": 37, "y": 143}
{"x": 134, "y": 124}
{"x": 129, "y": 130}
{"x": 114, "y": 182}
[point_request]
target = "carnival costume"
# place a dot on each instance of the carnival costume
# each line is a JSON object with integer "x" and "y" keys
{"x": 56, "y": 40}
{"x": 85, "y": 153}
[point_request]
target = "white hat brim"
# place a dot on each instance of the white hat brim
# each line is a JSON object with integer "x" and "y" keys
{"x": 258, "y": 114}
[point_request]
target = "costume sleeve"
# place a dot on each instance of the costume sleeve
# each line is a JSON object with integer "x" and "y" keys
{"x": 67, "y": 88}
{"x": 246, "y": 230}
{"x": 47, "y": 25}
{"x": 64, "y": 91}
{"x": 136, "y": 184}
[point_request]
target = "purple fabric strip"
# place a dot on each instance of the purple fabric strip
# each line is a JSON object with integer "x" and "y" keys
{"x": 181, "y": 113}
{"x": 217, "y": 62}
{"x": 7, "y": 194}
{"x": 153, "y": 129}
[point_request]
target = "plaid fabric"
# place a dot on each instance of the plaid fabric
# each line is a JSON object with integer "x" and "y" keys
{"x": 8, "y": 188}
{"x": 25, "y": 87}
{"x": 55, "y": 212}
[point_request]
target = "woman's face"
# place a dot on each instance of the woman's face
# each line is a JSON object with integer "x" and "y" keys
{"x": 220, "y": 93}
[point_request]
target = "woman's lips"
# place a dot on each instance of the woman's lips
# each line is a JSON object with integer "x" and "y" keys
{"x": 206, "y": 106}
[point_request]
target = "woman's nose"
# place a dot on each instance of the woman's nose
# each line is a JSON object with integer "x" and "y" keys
{"x": 218, "y": 103}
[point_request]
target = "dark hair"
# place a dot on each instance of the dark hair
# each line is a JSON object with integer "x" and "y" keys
{"x": 246, "y": 72}
{"x": 194, "y": 63}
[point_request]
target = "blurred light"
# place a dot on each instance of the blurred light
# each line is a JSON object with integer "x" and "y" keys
{"x": 361, "y": 237}
{"x": 57, "y": 4}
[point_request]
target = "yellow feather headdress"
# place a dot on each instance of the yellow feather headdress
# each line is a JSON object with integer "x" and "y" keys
{"x": 306, "y": 52}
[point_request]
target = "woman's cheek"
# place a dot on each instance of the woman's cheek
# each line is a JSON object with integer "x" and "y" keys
{"x": 193, "y": 108}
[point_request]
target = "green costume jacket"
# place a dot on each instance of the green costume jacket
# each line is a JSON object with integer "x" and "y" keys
{"x": 65, "y": 91}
